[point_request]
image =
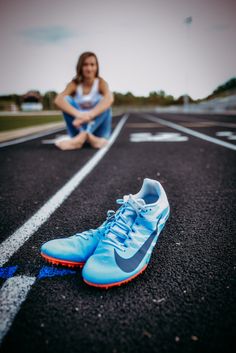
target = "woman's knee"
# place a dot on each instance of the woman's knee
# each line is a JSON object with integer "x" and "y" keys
{"x": 68, "y": 99}
{"x": 106, "y": 114}
{"x": 71, "y": 101}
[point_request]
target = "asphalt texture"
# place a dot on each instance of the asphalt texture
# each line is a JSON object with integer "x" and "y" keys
{"x": 185, "y": 299}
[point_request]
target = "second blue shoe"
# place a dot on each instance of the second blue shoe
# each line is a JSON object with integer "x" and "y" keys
{"x": 73, "y": 251}
{"x": 125, "y": 250}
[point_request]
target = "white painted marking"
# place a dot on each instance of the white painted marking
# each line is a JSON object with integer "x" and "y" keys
{"x": 223, "y": 133}
{"x": 22, "y": 234}
{"x": 232, "y": 137}
{"x": 158, "y": 137}
{"x": 29, "y": 138}
{"x": 190, "y": 131}
{"x": 141, "y": 134}
{"x": 12, "y": 294}
{"x": 229, "y": 134}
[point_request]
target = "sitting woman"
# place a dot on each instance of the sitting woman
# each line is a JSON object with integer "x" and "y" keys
{"x": 86, "y": 106}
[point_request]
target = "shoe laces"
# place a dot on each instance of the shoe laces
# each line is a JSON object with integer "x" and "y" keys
{"x": 119, "y": 229}
{"x": 88, "y": 233}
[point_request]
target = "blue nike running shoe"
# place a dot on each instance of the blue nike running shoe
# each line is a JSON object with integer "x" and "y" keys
{"x": 126, "y": 248}
{"x": 73, "y": 251}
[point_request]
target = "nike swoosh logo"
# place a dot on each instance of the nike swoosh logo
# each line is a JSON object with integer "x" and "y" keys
{"x": 131, "y": 263}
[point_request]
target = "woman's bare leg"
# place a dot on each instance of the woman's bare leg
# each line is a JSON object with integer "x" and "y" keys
{"x": 74, "y": 143}
{"x": 96, "y": 142}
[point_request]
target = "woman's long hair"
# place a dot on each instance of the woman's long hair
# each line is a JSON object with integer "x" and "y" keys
{"x": 79, "y": 72}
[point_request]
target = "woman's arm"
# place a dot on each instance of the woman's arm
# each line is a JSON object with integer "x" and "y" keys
{"x": 61, "y": 103}
{"x": 105, "y": 102}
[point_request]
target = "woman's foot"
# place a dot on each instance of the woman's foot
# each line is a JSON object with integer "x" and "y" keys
{"x": 74, "y": 143}
{"x": 97, "y": 142}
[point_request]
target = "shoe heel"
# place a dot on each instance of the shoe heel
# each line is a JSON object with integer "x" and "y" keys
{"x": 165, "y": 214}
{"x": 164, "y": 217}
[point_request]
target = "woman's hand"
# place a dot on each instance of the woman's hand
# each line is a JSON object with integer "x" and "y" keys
{"x": 82, "y": 117}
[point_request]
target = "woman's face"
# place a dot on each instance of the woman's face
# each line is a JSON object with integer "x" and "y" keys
{"x": 89, "y": 67}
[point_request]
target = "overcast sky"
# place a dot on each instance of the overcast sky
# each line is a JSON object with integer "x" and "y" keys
{"x": 142, "y": 45}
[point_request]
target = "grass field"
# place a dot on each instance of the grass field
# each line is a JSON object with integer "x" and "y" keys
{"x": 8, "y": 122}
{"x": 17, "y": 122}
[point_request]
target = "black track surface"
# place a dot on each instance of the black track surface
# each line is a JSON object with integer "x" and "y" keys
{"x": 185, "y": 300}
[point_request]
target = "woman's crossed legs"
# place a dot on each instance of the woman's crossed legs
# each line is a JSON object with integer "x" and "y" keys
{"x": 96, "y": 132}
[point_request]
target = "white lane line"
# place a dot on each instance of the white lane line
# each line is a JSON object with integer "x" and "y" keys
{"x": 12, "y": 294}
{"x": 29, "y": 138}
{"x": 22, "y": 234}
{"x": 190, "y": 131}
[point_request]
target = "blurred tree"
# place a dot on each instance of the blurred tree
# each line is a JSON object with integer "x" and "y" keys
{"x": 230, "y": 84}
{"x": 48, "y": 100}
{"x": 180, "y": 100}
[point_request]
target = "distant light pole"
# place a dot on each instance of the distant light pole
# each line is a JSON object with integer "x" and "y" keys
{"x": 188, "y": 21}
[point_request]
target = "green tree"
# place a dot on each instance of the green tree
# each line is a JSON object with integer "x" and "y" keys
{"x": 48, "y": 100}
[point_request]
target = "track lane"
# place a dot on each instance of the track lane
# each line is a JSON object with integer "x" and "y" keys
{"x": 187, "y": 289}
{"x": 31, "y": 173}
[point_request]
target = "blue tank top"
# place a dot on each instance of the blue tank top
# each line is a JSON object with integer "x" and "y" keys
{"x": 88, "y": 101}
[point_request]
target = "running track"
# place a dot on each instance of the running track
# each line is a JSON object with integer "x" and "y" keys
{"x": 184, "y": 301}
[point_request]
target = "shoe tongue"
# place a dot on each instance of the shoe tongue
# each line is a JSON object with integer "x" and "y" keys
{"x": 129, "y": 214}
{"x": 132, "y": 199}
{"x": 141, "y": 202}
